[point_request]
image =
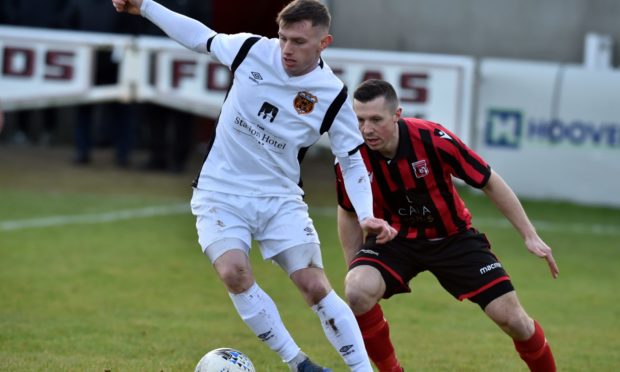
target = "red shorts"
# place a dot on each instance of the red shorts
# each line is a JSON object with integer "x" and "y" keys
{"x": 463, "y": 264}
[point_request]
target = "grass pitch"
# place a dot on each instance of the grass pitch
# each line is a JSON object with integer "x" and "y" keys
{"x": 100, "y": 270}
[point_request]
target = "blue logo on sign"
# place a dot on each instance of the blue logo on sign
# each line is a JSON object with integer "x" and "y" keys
{"x": 504, "y": 128}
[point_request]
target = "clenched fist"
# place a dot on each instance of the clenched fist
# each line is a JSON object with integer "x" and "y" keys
{"x": 127, "y": 6}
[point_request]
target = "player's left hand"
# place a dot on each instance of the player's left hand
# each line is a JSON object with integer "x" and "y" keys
{"x": 127, "y": 6}
{"x": 538, "y": 247}
{"x": 376, "y": 226}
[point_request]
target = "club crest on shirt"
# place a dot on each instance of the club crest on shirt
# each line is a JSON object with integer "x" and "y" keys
{"x": 420, "y": 168}
{"x": 304, "y": 102}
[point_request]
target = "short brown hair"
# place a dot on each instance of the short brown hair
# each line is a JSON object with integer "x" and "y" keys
{"x": 304, "y": 10}
{"x": 375, "y": 88}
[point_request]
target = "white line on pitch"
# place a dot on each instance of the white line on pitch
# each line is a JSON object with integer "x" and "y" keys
{"x": 94, "y": 218}
{"x": 63, "y": 220}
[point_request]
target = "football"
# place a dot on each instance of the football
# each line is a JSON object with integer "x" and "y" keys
{"x": 225, "y": 360}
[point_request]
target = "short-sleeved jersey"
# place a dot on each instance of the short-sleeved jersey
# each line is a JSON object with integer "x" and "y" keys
{"x": 414, "y": 191}
{"x": 269, "y": 119}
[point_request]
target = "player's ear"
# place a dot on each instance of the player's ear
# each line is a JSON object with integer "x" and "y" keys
{"x": 398, "y": 113}
{"x": 326, "y": 41}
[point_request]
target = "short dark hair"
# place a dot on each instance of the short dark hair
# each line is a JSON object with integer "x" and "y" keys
{"x": 375, "y": 88}
{"x": 304, "y": 10}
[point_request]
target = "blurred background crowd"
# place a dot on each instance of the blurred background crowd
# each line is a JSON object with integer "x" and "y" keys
{"x": 555, "y": 32}
{"x": 168, "y": 136}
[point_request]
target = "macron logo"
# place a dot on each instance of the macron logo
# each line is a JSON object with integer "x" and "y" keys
{"x": 490, "y": 267}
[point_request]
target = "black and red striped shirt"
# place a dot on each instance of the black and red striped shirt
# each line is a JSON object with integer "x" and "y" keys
{"x": 414, "y": 191}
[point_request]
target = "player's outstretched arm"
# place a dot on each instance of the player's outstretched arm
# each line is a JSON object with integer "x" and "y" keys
{"x": 507, "y": 202}
{"x": 186, "y": 31}
{"x": 127, "y": 6}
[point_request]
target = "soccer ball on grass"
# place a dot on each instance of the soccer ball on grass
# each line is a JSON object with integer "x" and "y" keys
{"x": 225, "y": 360}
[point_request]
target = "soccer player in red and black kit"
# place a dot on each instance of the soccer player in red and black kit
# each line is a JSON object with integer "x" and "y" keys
{"x": 411, "y": 163}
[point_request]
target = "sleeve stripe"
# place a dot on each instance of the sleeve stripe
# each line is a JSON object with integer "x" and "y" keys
{"x": 333, "y": 109}
{"x": 355, "y": 149}
{"x": 243, "y": 52}
{"x": 300, "y": 157}
{"x": 209, "y": 43}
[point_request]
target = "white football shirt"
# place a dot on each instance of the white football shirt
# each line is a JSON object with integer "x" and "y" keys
{"x": 269, "y": 119}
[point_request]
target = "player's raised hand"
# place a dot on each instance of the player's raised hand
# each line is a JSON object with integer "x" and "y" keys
{"x": 127, "y": 6}
{"x": 538, "y": 247}
{"x": 380, "y": 228}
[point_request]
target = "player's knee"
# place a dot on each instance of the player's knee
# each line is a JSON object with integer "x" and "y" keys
{"x": 517, "y": 324}
{"x": 237, "y": 278}
{"x": 520, "y": 326}
{"x": 315, "y": 292}
{"x": 358, "y": 298}
{"x": 312, "y": 283}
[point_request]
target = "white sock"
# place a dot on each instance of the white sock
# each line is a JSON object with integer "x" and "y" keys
{"x": 342, "y": 331}
{"x": 259, "y": 312}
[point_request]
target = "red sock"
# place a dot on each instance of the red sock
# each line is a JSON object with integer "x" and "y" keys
{"x": 376, "y": 334}
{"x": 536, "y": 351}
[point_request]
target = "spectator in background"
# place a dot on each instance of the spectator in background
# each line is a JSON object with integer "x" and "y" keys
{"x": 1, "y": 119}
{"x": 169, "y": 132}
{"x": 169, "y": 136}
{"x": 42, "y": 14}
{"x": 118, "y": 120}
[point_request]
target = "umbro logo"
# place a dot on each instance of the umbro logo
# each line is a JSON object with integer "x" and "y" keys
{"x": 265, "y": 336}
{"x": 255, "y": 77}
{"x": 346, "y": 350}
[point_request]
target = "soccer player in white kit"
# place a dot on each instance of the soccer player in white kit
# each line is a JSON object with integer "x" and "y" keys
{"x": 283, "y": 98}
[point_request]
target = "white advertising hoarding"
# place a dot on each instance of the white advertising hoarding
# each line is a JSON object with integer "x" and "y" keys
{"x": 552, "y": 131}
{"x": 43, "y": 68}
{"x": 434, "y": 87}
{"x": 48, "y": 67}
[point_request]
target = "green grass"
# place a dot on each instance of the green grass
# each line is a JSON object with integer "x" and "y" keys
{"x": 138, "y": 295}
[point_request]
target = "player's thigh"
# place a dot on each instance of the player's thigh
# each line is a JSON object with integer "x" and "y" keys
{"x": 392, "y": 260}
{"x": 286, "y": 224}
{"x": 221, "y": 222}
{"x": 299, "y": 257}
{"x": 466, "y": 267}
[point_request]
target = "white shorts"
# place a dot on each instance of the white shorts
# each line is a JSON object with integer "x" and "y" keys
{"x": 227, "y": 221}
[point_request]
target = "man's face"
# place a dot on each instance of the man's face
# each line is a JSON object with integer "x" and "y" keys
{"x": 301, "y": 45}
{"x": 378, "y": 125}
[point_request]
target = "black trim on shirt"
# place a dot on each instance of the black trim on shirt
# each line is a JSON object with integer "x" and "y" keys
{"x": 243, "y": 52}
{"x": 333, "y": 110}
{"x": 355, "y": 149}
{"x": 300, "y": 157}
{"x": 209, "y": 43}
